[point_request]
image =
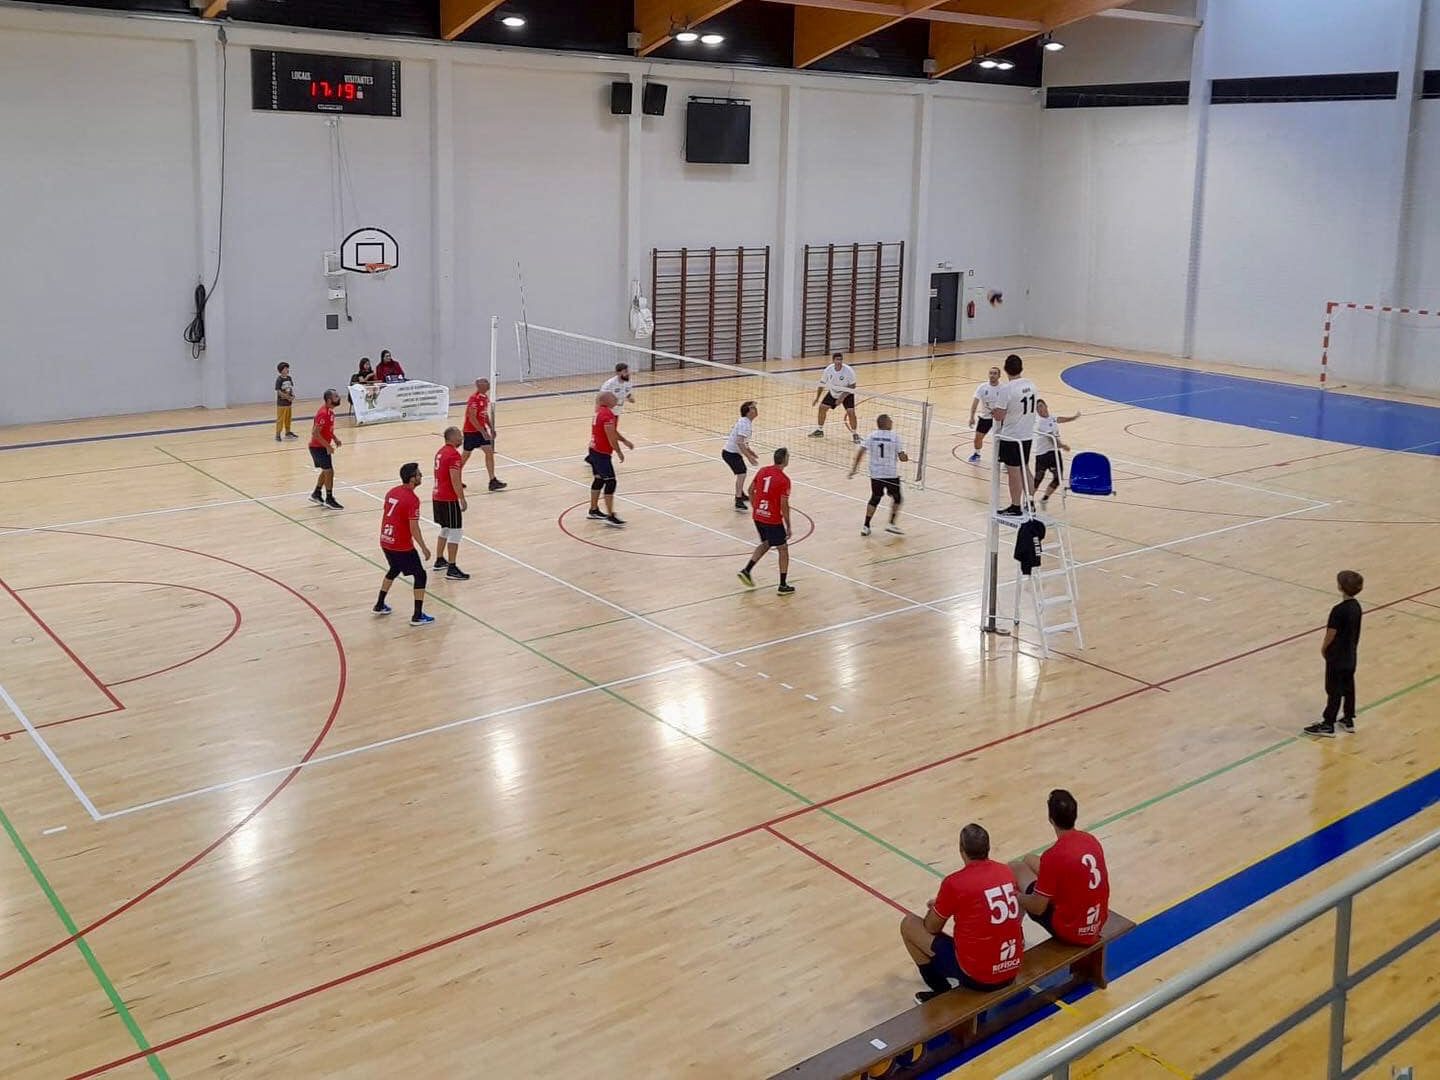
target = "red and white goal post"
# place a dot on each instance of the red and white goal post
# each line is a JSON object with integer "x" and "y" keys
{"x": 1379, "y": 345}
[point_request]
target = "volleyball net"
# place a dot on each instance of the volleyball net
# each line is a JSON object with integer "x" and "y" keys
{"x": 704, "y": 397}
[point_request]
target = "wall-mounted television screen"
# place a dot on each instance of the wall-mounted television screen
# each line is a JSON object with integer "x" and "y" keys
{"x": 717, "y": 133}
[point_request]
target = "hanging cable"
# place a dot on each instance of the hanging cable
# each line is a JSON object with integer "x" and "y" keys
{"x": 195, "y": 331}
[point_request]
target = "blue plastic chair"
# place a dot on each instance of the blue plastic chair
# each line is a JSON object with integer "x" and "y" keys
{"x": 1090, "y": 474}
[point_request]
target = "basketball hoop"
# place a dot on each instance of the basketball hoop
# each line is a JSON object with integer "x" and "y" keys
{"x": 379, "y": 269}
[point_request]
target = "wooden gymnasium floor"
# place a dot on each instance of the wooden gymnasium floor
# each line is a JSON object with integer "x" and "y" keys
{"x": 613, "y": 817}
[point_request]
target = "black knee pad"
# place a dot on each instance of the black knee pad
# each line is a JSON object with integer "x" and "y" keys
{"x": 610, "y": 486}
{"x": 597, "y": 484}
{"x": 421, "y": 577}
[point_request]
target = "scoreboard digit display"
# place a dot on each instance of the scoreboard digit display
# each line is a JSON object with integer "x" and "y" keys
{"x": 324, "y": 83}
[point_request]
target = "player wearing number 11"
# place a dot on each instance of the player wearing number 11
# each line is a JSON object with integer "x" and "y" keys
{"x": 988, "y": 945}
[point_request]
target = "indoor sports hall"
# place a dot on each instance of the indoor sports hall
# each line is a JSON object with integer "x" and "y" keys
{"x": 609, "y": 790}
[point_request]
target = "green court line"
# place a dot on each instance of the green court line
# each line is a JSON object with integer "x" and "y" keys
{"x": 121, "y": 1010}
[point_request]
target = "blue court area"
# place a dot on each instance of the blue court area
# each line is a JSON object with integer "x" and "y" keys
{"x": 1257, "y": 403}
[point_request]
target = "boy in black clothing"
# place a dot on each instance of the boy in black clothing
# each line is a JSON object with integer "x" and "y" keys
{"x": 1342, "y": 639}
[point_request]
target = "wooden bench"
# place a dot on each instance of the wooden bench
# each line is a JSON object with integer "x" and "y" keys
{"x": 901, "y": 1045}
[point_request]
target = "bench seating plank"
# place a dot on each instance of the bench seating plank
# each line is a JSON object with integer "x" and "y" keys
{"x": 957, "y": 1012}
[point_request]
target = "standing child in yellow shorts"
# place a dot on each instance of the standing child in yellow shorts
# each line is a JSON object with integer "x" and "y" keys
{"x": 284, "y": 399}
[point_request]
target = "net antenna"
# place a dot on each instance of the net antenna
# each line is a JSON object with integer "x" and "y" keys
{"x": 678, "y": 396}
{"x": 522, "y": 328}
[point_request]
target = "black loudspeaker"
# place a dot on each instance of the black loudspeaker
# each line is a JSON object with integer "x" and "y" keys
{"x": 620, "y": 98}
{"x": 653, "y": 103}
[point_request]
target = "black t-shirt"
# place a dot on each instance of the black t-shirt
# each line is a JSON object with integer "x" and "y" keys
{"x": 1345, "y": 621}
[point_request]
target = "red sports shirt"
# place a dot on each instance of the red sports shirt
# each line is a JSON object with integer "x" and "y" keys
{"x": 325, "y": 421}
{"x": 771, "y": 485}
{"x": 481, "y": 404}
{"x": 446, "y": 458}
{"x": 989, "y": 938}
{"x": 401, "y": 507}
{"x": 598, "y": 442}
{"x": 1074, "y": 877}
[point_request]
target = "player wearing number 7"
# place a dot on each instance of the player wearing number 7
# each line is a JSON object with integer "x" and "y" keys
{"x": 886, "y": 453}
{"x": 988, "y": 945}
{"x": 1067, "y": 889}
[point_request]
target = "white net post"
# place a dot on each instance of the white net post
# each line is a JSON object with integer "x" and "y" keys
{"x": 694, "y": 395}
{"x": 494, "y": 366}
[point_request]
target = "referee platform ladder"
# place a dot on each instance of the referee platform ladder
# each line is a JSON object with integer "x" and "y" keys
{"x": 1053, "y": 595}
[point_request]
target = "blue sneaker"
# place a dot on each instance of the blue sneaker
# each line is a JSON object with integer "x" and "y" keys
{"x": 422, "y": 619}
{"x": 974, "y": 458}
{"x": 382, "y": 609}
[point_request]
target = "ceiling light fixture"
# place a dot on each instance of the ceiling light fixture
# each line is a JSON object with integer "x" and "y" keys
{"x": 1004, "y": 65}
{"x": 687, "y": 37}
{"x": 988, "y": 63}
{"x": 711, "y": 39}
{"x": 1049, "y": 44}
{"x": 514, "y": 22}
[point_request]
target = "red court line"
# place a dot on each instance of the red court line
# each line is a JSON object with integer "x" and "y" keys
{"x": 844, "y": 874}
{"x": 768, "y": 826}
{"x": 6, "y": 736}
{"x": 249, "y": 817}
{"x": 115, "y": 701}
{"x": 1291, "y": 461}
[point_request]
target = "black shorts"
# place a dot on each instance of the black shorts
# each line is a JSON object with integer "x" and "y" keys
{"x": 984, "y": 424}
{"x": 321, "y": 457}
{"x": 403, "y": 562}
{"x": 447, "y": 513}
{"x": 1011, "y": 452}
{"x": 1044, "y": 917}
{"x": 847, "y": 401}
{"x": 474, "y": 440}
{"x": 880, "y": 488}
{"x": 602, "y": 465}
{"x": 734, "y": 460}
{"x": 949, "y": 967}
{"x": 1050, "y": 461}
{"x": 774, "y": 535}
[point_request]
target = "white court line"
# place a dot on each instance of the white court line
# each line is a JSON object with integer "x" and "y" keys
{"x": 583, "y": 592}
{"x": 50, "y": 755}
{"x": 729, "y": 536}
{"x": 158, "y": 513}
{"x": 842, "y": 495}
{"x": 56, "y": 829}
{"x": 680, "y": 665}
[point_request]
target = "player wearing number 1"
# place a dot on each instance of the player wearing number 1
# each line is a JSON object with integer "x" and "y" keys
{"x": 770, "y": 507}
{"x": 988, "y": 946}
{"x": 886, "y": 453}
{"x": 1067, "y": 889}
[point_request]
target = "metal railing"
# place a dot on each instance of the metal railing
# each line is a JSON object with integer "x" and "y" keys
{"x": 1056, "y": 1061}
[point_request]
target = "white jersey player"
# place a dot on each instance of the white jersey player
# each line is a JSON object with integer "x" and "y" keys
{"x": 1014, "y": 414}
{"x": 737, "y": 450}
{"x": 1048, "y": 458}
{"x": 619, "y": 385}
{"x": 986, "y": 395}
{"x": 837, "y": 385}
{"x": 886, "y": 452}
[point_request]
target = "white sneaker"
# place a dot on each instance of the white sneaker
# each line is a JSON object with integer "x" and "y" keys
{"x": 864, "y": 530}
{"x": 893, "y": 528}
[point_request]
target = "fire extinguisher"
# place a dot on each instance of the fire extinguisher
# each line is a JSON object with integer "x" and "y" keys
{"x": 970, "y": 310}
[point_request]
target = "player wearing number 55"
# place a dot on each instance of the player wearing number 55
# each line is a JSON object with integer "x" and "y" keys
{"x": 988, "y": 945}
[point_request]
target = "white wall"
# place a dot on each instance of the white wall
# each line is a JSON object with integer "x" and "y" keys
{"x": 98, "y": 214}
{"x": 1303, "y": 37}
{"x": 1112, "y": 227}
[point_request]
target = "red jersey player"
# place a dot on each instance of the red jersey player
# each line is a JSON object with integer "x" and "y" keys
{"x": 605, "y": 440}
{"x": 480, "y": 430}
{"x": 988, "y": 945}
{"x": 322, "y": 441}
{"x": 1067, "y": 889}
{"x": 399, "y": 537}
{"x": 770, "y": 507}
{"x": 449, "y": 506}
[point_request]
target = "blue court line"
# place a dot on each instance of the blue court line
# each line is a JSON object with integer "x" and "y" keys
{"x": 1188, "y": 919}
{"x": 268, "y": 421}
{"x": 1283, "y": 408}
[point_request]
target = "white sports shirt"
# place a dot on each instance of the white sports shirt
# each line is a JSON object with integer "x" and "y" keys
{"x": 1018, "y": 401}
{"x": 987, "y": 395}
{"x": 742, "y": 429}
{"x": 884, "y": 449}
{"x": 1045, "y": 428}
{"x": 838, "y": 383}
{"x": 620, "y": 388}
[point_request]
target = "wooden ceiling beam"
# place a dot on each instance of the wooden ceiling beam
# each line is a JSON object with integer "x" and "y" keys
{"x": 457, "y": 16}
{"x": 954, "y": 46}
{"x": 820, "y": 32}
{"x": 214, "y": 9}
{"x": 658, "y": 20}
{"x": 898, "y": 11}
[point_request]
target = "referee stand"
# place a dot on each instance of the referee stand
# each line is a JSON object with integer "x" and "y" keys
{"x": 1054, "y": 594}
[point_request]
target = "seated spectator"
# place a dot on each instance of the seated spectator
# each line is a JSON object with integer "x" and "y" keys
{"x": 389, "y": 369}
{"x": 1067, "y": 889}
{"x": 365, "y": 374}
{"x": 988, "y": 946}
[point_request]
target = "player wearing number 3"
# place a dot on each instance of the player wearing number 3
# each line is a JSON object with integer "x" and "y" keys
{"x": 988, "y": 945}
{"x": 1067, "y": 889}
